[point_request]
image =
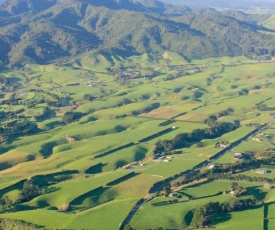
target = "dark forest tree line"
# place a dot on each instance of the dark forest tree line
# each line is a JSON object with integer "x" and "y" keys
{"x": 205, "y": 215}
{"x": 185, "y": 139}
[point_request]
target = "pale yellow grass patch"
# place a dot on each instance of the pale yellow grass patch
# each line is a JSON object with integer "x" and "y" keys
{"x": 169, "y": 111}
{"x": 166, "y": 56}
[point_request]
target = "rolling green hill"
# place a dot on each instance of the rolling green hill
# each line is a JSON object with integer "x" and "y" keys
{"x": 56, "y": 29}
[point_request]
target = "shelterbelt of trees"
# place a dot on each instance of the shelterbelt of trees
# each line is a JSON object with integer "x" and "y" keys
{"x": 185, "y": 139}
{"x": 205, "y": 215}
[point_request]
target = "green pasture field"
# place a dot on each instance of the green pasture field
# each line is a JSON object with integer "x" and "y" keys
{"x": 167, "y": 112}
{"x": 172, "y": 215}
{"x": 270, "y": 174}
{"x": 225, "y": 60}
{"x": 181, "y": 127}
{"x": 101, "y": 217}
{"x": 271, "y": 224}
{"x": 76, "y": 187}
{"x": 248, "y": 145}
{"x": 137, "y": 186}
{"x": 270, "y": 196}
{"x": 7, "y": 181}
{"x": 242, "y": 220}
{"x": 127, "y": 109}
{"x": 270, "y": 211}
{"x": 77, "y": 146}
{"x": 167, "y": 169}
{"x": 255, "y": 145}
{"x": 41, "y": 217}
{"x": 169, "y": 216}
{"x": 211, "y": 188}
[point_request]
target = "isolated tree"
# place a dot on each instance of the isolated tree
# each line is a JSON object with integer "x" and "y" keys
{"x": 70, "y": 117}
{"x": 211, "y": 120}
{"x": 197, "y": 94}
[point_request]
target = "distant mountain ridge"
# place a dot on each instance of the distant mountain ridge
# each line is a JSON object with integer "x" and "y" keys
{"x": 232, "y": 4}
{"x": 43, "y": 31}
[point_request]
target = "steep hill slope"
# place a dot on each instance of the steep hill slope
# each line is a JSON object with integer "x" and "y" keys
{"x": 53, "y": 29}
{"x": 270, "y": 22}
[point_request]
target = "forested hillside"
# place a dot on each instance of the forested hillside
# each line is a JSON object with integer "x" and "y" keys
{"x": 48, "y": 30}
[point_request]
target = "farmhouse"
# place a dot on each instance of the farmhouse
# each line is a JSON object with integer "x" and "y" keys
{"x": 232, "y": 193}
{"x": 163, "y": 159}
{"x": 211, "y": 166}
{"x": 22, "y": 95}
{"x": 262, "y": 171}
{"x": 256, "y": 139}
{"x": 238, "y": 156}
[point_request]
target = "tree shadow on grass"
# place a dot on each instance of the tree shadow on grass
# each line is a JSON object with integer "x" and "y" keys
{"x": 51, "y": 190}
{"x": 94, "y": 195}
{"x": 184, "y": 190}
{"x": 47, "y": 149}
{"x": 122, "y": 179}
{"x": 190, "y": 197}
{"x": 54, "y": 124}
{"x": 93, "y": 198}
{"x": 120, "y": 163}
{"x": 98, "y": 168}
{"x": 200, "y": 184}
{"x": 220, "y": 218}
{"x": 256, "y": 192}
{"x": 9, "y": 142}
{"x": 187, "y": 219}
{"x": 140, "y": 154}
{"x": 16, "y": 186}
{"x": 42, "y": 204}
{"x": 4, "y": 165}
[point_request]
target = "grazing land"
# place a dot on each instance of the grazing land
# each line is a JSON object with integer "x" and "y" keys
{"x": 79, "y": 141}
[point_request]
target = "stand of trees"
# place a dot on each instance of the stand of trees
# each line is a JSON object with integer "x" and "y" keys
{"x": 5, "y": 204}
{"x": 241, "y": 166}
{"x": 14, "y": 224}
{"x": 240, "y": 177}
{"x": 30, "y": 190}
{"x": 15, "y": 129}
{"x": 70, "y": 117}
{"x": 185, "y": 139}
{"x": 205, "y": 215}
{"x": 46, "y": 113}
{"x": 227, "y": 172}
{"x": 264, "y": 107}
{"x": 147, "y": 109}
